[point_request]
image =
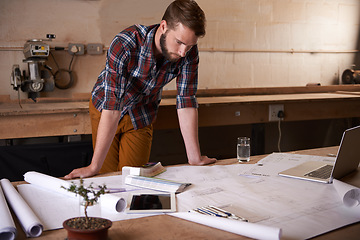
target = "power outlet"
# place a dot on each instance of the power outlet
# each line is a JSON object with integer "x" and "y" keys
{"x": 76, "y": 48}
{"x": 274, "y": 111}
{"x": 94, "y": 48}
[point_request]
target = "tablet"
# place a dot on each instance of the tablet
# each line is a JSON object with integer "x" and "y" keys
{"x": 151, "y": 203}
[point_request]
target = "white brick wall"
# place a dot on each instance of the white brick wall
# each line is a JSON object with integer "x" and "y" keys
{"x": 233, "y": 25}
{"x": 299, "y": 25}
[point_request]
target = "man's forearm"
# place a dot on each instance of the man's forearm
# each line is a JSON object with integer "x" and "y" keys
{"x": 106, "y": 131}
{"x": 188, "y": 120}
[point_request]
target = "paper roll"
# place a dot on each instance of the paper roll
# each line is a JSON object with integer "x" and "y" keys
{"x": 113, "y": 202}
{"x": 109, "y": 201}
{"x": 251, "y": 230}
{"x": 28, "y": 220}
{"x": 349, "y": 194}
{"x": 7, "y": 225}
{"x": 48, "y": 182}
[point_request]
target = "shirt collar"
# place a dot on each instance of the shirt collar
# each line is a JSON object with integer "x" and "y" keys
{"x": 149, "y": 41}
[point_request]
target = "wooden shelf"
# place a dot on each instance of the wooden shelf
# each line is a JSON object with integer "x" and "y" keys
{"x": 72, "y": 118}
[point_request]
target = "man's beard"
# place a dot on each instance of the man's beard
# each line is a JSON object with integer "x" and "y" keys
{"x": 165, "y": 51}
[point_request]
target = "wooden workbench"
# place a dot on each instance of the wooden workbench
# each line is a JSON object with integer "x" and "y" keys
{"x": 168, "y": 227}
{"x": 233, "y": 110}
{"x": 44, "y": 119}
{"x": 72, "y": 118}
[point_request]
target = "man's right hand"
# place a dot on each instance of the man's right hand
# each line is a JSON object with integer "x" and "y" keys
{"x": 106, "y": 132}
{"x": 81, "y": 172}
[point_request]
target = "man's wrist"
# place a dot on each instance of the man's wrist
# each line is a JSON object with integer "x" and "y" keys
{"x": 94, "y": 168}
{"x": 194, "y": 160}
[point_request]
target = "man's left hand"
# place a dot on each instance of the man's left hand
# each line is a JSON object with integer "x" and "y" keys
{"x": 204, "y": 160}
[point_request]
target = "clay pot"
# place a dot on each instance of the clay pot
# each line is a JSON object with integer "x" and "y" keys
{"x": 94, "y": 233}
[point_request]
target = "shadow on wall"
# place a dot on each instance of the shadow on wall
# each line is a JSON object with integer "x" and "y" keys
{"x": 357, "y": 55}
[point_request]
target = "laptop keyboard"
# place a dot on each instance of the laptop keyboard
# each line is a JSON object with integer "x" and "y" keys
{"x": 324, "y": 172}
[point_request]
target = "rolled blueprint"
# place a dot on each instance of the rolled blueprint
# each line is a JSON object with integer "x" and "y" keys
{"x": 349, "y": 194}
{"x": 48, "y": 182}
{"x": 109, "y": 201}
{"x": 7, "y": 225}
{"x": 28, "y": 220}
{"x": 246, "y": 229}
{"x": 113, "y": 202}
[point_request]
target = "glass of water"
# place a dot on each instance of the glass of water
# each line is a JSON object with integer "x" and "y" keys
{"x": 243, "y": 149}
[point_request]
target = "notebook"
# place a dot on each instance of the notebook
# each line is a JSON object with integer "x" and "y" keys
{"x": 347, "y": 160}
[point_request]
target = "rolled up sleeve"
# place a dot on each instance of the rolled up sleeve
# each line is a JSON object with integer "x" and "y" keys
{"x": 187, "y": 81}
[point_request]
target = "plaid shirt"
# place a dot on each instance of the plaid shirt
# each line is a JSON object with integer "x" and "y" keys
{"x": 132, "y": 82}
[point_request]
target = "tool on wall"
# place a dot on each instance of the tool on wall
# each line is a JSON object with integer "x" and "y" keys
{"x": 39, "y": 76}
{"x": 351, "y": 76}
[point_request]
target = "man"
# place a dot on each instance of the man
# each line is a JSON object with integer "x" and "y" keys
{"x": 141, "y": 60}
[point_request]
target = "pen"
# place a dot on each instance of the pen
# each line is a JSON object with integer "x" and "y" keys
{"x": 231, "y": 215}
{"x": 203, "y": 211}
{"x": 214, "y": 211}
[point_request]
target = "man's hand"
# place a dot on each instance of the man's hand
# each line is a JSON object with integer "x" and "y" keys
{"x": 204, "y": 160}
{"x": 81, "y": 172}
{"x": 188, "y": 120}
{"x": 106, "y": 132}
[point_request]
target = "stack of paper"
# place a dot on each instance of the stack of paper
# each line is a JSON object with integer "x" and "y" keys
{"x": 148, "y": 170}
{"x": 156, "y": 184}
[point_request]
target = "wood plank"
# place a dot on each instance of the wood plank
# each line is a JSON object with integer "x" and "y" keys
{"x": 233, "y": 110}
{"x": 268, "y": 90}
{"x": 266, "y": 99}
{"x": 42, "y": 125}
{"x": 8, "y": 109}
{"x": 212, "y": 92}
{"x": 54, "y": 119}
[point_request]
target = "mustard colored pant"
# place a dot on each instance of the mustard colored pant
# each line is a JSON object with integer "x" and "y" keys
{"x": 129, "y": 147}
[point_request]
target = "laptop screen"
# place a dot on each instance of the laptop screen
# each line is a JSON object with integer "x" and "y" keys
{"x": 348, "y": 156}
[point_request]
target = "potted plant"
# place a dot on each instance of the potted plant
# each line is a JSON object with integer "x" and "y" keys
{"x": 86, "y": 227}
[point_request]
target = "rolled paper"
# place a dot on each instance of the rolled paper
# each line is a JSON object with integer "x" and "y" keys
{"x": 7, "y": 225}
{"x": 27, "y": 218}
{"x": 349, "y": 194}
{"x": 48, "y": 182}
{"x": 113, "y": 202}
{"x": 247, "y": 229}
{"x": 109, "y": 201}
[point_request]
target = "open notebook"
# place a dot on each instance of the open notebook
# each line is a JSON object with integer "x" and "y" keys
{"x": 347, "y": 160}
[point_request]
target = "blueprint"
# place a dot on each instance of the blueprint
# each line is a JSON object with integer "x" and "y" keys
{"x": 302, "y": 209}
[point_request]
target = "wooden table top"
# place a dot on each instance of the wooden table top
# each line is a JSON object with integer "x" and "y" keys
{"x": 168, "y": 227}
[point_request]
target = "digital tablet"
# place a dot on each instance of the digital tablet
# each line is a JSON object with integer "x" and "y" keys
{"x": 151, "y": 203}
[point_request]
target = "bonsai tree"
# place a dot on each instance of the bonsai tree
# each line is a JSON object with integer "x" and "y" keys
{"x": 89, "y": 194}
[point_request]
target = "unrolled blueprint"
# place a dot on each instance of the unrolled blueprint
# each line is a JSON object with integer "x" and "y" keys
{"x": 302, "y": 209}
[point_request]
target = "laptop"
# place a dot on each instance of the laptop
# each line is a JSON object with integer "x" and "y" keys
{"x": 347, "y": 160}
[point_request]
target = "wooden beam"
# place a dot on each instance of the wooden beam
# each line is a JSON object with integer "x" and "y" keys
{"x": 267, "y": 90}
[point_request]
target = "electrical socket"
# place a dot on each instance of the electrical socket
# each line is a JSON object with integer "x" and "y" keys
{"x": 94, "y": 48}
{"x": 274, "y": 111}
{"x": 76, "y": 48}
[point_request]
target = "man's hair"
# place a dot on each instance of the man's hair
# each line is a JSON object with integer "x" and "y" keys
{"x": 188, "y": 13}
